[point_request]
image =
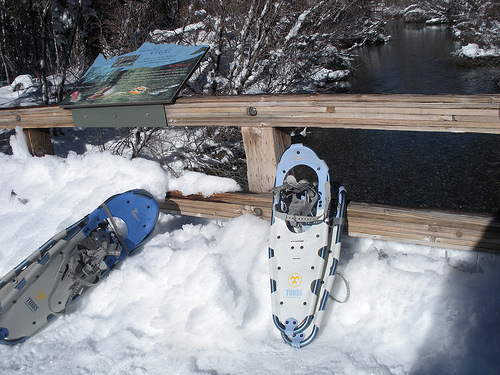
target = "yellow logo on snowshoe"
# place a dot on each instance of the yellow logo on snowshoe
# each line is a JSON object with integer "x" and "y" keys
{"x": 40, "y": 296}
{"x": 294, "y": 280}
{"x": 134, "y": 212}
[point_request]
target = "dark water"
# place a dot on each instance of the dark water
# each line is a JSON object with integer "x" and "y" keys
{"x": 418, "y": 169}
{"x": 417, "y": 60}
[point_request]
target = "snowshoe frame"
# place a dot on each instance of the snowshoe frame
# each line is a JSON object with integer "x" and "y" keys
{"x": 304, "y": 247}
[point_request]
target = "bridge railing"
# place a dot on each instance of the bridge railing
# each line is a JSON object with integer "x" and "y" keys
{"x": 261, "y": 116}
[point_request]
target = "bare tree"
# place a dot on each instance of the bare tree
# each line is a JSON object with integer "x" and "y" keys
{"x": 267, "y": 45}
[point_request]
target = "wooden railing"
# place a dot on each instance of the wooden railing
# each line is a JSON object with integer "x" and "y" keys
{"x": 442, "y": 113}
{"x": 448, "y": 229}
{"x": 261, "y": 116}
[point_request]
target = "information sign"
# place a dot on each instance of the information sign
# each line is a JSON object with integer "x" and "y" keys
{"x": 154, "y": 73}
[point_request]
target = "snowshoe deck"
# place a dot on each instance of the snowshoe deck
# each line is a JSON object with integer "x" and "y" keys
{"x": 73, "y": 261}
{"x": 304, "y": 244}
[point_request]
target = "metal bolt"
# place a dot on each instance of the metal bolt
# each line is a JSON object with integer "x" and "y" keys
{"x": 251, "y": 111}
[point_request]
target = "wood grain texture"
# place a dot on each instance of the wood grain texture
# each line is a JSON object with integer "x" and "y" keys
{"x": 263, "y": 149}
{"x": 409, "y": 112}
{"x": 447, "y": 229}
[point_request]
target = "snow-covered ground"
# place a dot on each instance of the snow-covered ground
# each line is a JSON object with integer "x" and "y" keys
{"x": 196, "y": 299}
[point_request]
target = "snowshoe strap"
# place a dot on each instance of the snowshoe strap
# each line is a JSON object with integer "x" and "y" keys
{"x": 115, "y": 228}
{"x": 294, "y": 220}
{"x": 72, "y": 274}
{"x": 89, "y": 262}
{"x": 302, "y": 198}
{"x": 338, "y": 221}
{"x": 347, "y": 287}
{"x": 291, "y": 186}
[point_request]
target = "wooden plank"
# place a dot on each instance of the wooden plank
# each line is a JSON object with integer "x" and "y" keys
{"x": 443, "y": 113}
{"x": 336, "y": 109}
{"x": 448, "y": 229}
{"x": 218, "y": 206}
{"x": 363, "y": 124}
{"x": 36, "y": 117}
{"x": 409, "y": 112}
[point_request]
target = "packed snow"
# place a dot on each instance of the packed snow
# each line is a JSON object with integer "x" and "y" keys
{"x": 196, "y": 298}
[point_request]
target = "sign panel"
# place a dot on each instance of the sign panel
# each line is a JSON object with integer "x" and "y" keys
{"x": 154, "y": 73}
{"x": 144, "y": 116}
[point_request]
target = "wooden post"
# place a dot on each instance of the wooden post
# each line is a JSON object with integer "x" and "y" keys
{"x": 263, "y": 147}
{"x": 39, "y": 142}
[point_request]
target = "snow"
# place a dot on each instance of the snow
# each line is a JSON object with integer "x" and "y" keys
{"x": 158, "y": 35}
{"x": 22, "y": 82}
{"x": 321, "y": 76}
{"x": 196, "y": 298}
{"x": 472, "y": 50}
{"x": 19, "y": 92}
{"x": 199, "y": 183}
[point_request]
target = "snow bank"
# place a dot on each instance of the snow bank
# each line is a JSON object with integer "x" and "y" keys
{"x": 21, "y": 92}
{"x": 193, "y": 183}
{"x": 472, "y": 50}
{"x": 196, "y": 299}
{"x": 22, "y": 82}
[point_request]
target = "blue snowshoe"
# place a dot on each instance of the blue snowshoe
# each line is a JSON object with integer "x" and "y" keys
{"x": 72, "y": 262}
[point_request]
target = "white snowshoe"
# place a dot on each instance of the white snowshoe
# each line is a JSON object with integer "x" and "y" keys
{"x": 304, "y": 244}
{"x": 72, "y": 262}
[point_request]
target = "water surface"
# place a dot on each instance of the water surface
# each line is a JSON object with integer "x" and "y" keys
{"x": 417, "y": 169}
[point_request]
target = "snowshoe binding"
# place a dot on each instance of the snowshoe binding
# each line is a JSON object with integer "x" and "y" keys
{"x": 72, "y": 262}
{"x": 304, "y": 244}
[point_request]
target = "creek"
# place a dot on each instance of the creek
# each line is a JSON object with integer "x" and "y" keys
{"x": 417, "y": 169}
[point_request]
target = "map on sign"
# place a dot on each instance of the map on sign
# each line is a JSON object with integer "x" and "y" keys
{"x": 154, "y": 73}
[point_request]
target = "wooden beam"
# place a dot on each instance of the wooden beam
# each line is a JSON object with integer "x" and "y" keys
{"x": 263, "y": 149}
{"x": 50, "y": 116}
{"x": 409, "y": 112}
{"x": 218, "y": 206}
{"x": 448, "y": 229}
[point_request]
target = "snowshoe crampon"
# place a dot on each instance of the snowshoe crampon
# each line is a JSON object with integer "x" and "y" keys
{"x": 304, "y": 244}
{"x": 72, "y": 262}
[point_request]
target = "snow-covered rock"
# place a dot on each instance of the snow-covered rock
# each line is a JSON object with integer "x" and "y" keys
{"x": 472, "y": 50}
{"x": 414, "y": 13}
{"x": 22, "y": 83}
{"x": 323, "y": 76}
